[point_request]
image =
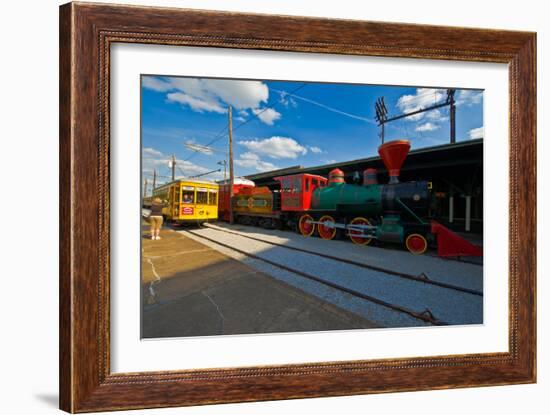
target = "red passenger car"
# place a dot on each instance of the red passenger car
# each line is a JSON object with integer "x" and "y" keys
{"x": 224, "y": 194}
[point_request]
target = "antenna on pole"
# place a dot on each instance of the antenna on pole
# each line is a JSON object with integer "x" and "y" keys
{"x": 381, "y": 116}
{"x": 382, "y": 113}
{"x": 224, "y": 164}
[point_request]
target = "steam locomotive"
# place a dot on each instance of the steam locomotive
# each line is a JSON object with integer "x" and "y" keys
{"x": 395, "y": 212}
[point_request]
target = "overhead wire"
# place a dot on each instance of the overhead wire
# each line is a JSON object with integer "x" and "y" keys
{"x": 253, "y": 117}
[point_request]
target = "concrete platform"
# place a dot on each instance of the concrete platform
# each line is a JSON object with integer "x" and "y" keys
{"x": 190, "y": 289}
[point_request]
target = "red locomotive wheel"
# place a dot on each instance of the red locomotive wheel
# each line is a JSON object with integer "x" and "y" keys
{"x": 326, "y": 232}
{"x": 416, "y": 244}
{"x": 305, "y": 225}
{"x": 358, "y": 239}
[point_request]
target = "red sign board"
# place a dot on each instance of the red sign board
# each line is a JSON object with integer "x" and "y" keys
{"x": 187, "y": 210}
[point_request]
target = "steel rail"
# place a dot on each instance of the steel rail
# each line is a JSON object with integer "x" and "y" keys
{"x": 457, "y": 259}
{"x": 422, "y": 278}
{"x": 425, "y": 315}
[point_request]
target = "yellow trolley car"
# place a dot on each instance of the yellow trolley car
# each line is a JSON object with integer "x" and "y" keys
{"x": 188, "y": 201}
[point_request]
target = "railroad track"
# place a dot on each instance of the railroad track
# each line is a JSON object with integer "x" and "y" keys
{"x": 465, "y": 261}
{"x": 423, "y": 278}
{"x": 425, "y": 316}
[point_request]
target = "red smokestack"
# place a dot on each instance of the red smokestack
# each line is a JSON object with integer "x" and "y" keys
{"x": 393, "y": 155}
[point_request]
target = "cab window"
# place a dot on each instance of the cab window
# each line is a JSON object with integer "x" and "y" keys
{"x": 297, "y": 185}
{"x": 286, "y": 184}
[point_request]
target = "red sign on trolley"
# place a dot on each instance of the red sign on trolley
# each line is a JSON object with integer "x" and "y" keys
{"x": 187, "y": 210}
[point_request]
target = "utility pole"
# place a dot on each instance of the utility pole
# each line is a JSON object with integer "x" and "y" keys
{"x": 231, "y": 176}
{"x": 154, "y": 179}
{"x": 173, "y": 167}
{"x": 145, "y": 188}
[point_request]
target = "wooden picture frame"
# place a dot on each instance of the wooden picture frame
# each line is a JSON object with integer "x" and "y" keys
{"x": 86, "y": 33}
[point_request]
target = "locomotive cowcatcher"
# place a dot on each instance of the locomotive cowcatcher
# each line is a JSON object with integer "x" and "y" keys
{"x": 395, "y": 212}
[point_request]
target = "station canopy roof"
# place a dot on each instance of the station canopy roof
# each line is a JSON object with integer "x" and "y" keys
{"x": 462, "y": 153}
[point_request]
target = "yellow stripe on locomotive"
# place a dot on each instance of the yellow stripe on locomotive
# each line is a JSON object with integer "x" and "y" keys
{"x": 189, "y": 201}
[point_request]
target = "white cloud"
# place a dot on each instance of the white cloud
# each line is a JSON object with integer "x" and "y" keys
{"x": 267, "y": 115}
{"x": 239, "y": 94}
{"x": 315, "y": 149}
{"x": 423, "y": 98}
{"x": 436, "y": 116}
{"x": 156, "y": 84}
{"x": 210, "y": 94}
{"x": 275, "y": 147}
{"x": 427, "y": 127}
{"x": 241, "y": 119}
{"x": 469, "y": 97}
{"x": 252, "y": 161}
{"x": 476, "y": 133}
{"x": 150, "y": 152}
{"x": 287, "y": 100}
{"x": 199, "y": 105}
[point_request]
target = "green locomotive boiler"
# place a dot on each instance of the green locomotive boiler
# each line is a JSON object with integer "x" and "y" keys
{"x": 394, "y": 212}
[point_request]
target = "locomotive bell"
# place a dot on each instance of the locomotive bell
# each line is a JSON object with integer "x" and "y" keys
{"x": 393, "y": 154}
{"x": 336, "y": 176}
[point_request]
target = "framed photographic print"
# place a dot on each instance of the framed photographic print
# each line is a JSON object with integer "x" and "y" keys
{"x": 261, "y": 207}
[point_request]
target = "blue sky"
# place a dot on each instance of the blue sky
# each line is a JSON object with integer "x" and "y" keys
{"x": 279, "y": 124}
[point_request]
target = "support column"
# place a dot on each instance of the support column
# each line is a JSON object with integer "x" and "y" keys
{"x": 468, "y": 212}
{"x": 451, "y": 207}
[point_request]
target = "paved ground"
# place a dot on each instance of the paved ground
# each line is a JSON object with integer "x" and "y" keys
{"x": 190, "y": 289}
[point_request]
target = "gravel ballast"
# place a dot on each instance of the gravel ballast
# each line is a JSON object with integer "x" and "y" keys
{"x": 451, "y": 306}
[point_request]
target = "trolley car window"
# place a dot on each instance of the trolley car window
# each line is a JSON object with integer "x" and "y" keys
{"x": 307, "y": 184}
{"x": 187, "y": 196}
{"x": 213, "y": 198}
{"x": 202, "y": 197}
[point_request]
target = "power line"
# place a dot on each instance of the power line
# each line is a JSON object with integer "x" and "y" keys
{"x": 181, "y": 171}
{"x": 158, "y": 175}
{"x": 254, "y": 116}
{"x": 319, "y": 104}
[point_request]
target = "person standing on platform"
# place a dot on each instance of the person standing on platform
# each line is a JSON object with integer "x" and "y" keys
{"x": 155, "y": 219}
